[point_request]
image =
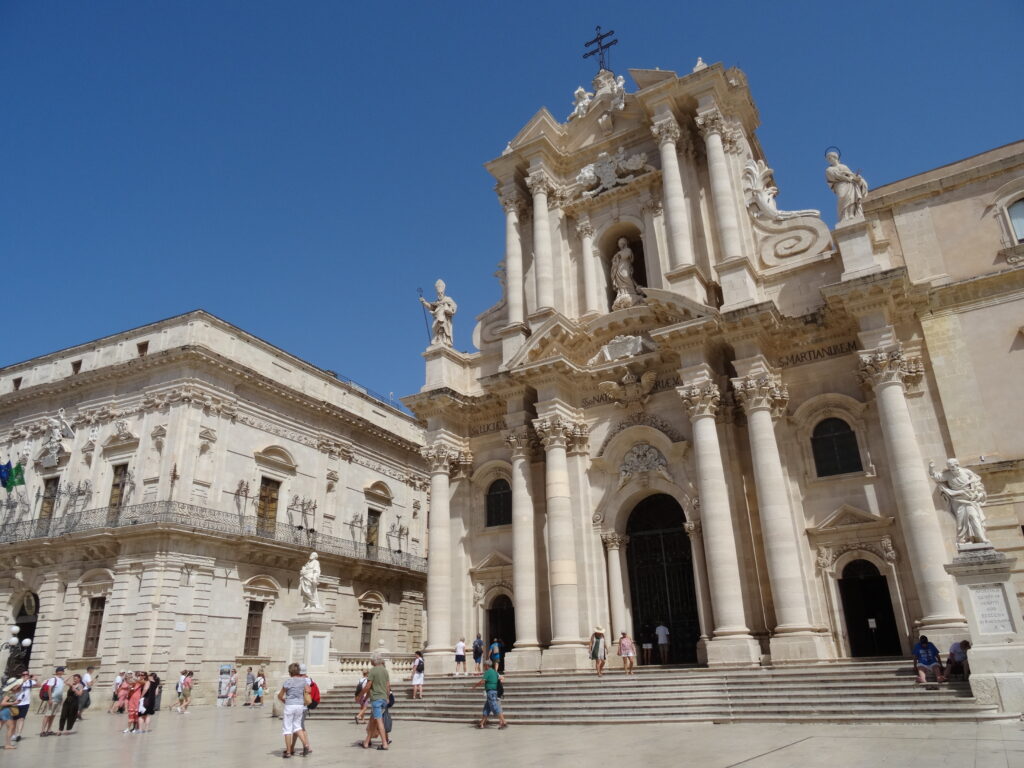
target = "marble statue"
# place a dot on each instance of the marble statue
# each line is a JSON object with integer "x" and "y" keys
{"x": 309, "y": 578}
{"x": 443, "y": 310}
{"x": 849, "y": 188}
{"x": 619, "y": 93}
{"x": 964, "y": 492}
{"x": 612, "y": 170}
{"x": 581, "y": 99}
{"x": 626, "y": 292}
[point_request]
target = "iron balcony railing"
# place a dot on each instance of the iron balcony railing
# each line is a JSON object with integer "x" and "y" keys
{"x": 204, "y": 519}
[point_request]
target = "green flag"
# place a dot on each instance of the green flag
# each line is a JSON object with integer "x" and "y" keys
{"x": 17, "y": 477}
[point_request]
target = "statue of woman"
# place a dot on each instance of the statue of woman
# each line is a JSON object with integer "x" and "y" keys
{"x": 849, "y": 188}
{"x": 626, "y": 292}
{"x": 309, "y": 577}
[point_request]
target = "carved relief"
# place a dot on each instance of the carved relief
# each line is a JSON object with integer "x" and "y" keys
{"x": 630, "y": 391}
{"x": 610, "y": 171}
{"x": 640, "y": 461}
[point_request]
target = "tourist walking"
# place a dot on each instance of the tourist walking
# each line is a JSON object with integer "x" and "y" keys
{"x": 116, "y": 700}
{"x": 185, "y": 697}
{"x": 250, "y": 687}
{"x": 460, "y": 657}
{"x": 24, "y": 702}
{"x": 662, "y": 633}
{"x": 85, "y": 700}
{"x": 598, "y": 650}
{"x": 478, "y": 654}
{"x": 73, "y": 693}
{"x": 148, "y": 705}
{"x": 9, "y": 709}
{"x": 627, "y": 650}
{"x": 261, "y": 688}
{"x": 232, "y": 687}
{"x": 494, "y": 654}
{"x": 646, "y": 644}
{"x": 362, "y": 698}
{"x": 53, "y": 690}
{"x": 378, "y": 686}
{"x": 295, "y": 694}
{"x": 418, "y": 668}
{"x": 490, "y": 681}
{"x": 132, "y": 702}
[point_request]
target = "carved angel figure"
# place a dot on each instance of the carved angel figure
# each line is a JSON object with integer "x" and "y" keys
{"x": 581, "y": 99}
{"x": 630, "y": 390}
{"x": 964, "y": 492}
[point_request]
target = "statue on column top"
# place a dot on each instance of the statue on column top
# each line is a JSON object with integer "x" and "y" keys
{"x": 965, "y": 493}
{"x": 309, "y": 578}
{"x": 849, "y": 188}
{"x": 443, "y": 310}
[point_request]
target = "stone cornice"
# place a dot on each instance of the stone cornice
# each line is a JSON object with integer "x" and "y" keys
{"x": 992, "y": 288}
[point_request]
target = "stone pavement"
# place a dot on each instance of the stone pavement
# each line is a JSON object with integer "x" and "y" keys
{"x": 241, "y": 738}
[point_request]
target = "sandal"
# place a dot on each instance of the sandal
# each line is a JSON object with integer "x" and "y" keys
{"x": 306, "y": 751}
{"x": 381, "y": 748}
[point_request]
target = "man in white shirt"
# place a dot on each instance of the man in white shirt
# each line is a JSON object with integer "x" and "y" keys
{"x": 24, "y": 702}
{"x": 86, "y": 698}
{"x": 49, "y": 709}
{"x": 662, "y": 632}
{"x": 460, "y": 657}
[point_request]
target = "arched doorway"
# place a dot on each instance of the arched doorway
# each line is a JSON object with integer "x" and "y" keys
{"x": 501, "y": 623}
{"x": 660, "y": 564}
{"x": 25, "y": 616}
{"x": 870, "y": 622}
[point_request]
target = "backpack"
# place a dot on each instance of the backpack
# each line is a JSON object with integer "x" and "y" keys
{"x": 501, "y": 689}
{"x": 478, "y": 647}
{"x": 44, "y": 692}
{"x": 420, "y": 665}
{"x": 314, "y": 695}
{"x": 359, "y": 688}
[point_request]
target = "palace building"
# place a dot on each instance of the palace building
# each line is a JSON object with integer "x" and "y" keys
{"x": 690, "y": 407}
{"x": 177, "y": 476}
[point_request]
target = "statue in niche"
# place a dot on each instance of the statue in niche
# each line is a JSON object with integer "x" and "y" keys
{"x": 965, "y": 493}
{"x": 309, "y": 578}
{"x": 443, "y": 310}
{"x": 849, "y": 188}
{"x": 626, "y": 292}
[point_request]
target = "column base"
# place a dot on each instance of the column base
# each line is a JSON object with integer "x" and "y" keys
{"x": 523, "y": 660}
{"x": 736, "y": 651}
{"x": 800, "y": 647}
{"x": 565, "y": 657}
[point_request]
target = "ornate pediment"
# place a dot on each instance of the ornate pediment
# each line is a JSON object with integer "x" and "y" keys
{"x": 850, "y": 519}
{"x": 493, "y": 560}
{"x": 542, "y": 124}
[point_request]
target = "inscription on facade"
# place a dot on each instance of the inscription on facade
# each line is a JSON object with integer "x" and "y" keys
{"x": 991, "y": 610}
{"x": 819, "y": 353}
{"x": 486, "y": 429}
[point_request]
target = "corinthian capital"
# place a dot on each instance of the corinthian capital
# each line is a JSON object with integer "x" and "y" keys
{"x": 439, "y": 457}
{"x": 880, "y": 367}
{"x": 513, "y": 202}
{"x": 666, "y": 130}
{"x": 521, "y": 442}
{"x": 558, "y": 432}
{"x": 692, "y": 528}
{"x": 614, "y": 541}
{"x": 584, "y": 228}
{"x": 761, "y": 392}
{"x": 700, "y": 399}
{"x": 711, "y": 122}
{"x": 538, "y": 182}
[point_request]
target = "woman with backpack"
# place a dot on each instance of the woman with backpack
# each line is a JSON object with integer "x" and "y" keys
{"x": 418, "y": 668}
{"x": 362, "y": 698}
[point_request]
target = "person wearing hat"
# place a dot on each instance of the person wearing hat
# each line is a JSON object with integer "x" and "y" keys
{"x": 627, "y": 650}
{"x": 9, "y": 709}
{"x": 49, "y": 708}
{"x": 598, "y": 650}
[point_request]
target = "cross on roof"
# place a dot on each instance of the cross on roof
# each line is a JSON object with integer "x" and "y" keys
{"x": 601, "y": 47}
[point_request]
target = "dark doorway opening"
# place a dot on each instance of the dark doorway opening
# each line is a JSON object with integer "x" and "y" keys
{"x": 660, "y": 565}
{"x": 501, "y": 624}
{"x": 870, "y": 622}
{"x": 25, "y": 616}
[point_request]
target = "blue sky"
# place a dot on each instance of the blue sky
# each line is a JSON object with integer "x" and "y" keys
{"x": 300, "y": 169}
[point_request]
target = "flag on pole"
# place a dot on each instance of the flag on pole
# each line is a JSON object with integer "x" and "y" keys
{"x": 16, "y": 477}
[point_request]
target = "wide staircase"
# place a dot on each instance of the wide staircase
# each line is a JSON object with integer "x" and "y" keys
{"x": 878, "y": 691}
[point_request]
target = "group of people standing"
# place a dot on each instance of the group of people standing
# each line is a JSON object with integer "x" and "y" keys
{"x": 68, "y": 698}
{"x": 598, "y": 648}
{"x": 136, "y": 694}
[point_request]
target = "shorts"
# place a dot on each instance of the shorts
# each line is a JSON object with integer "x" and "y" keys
{"x": 22, "y": 712}
{"x": 292, "y": 718}
{"x": 49, "y": 708}
{"x": 629, "y": 655}
{"x": 491, "y": 705}
{"x": 477, "y": 659}
{"x": 186, "y": 694}
{"x": 378, "y": 706}
{"x": 646, "y": 646}
{"x": 417, "y": 678}
{"x": 460, "y": 659}
{"x": 6, "y": 714}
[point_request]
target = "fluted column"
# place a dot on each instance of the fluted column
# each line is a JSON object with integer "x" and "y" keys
{"x": 555, "y": 432}
{"x": 712, "y": 126}
{"x": 615, "y": 545}
{"x": 723, "y": 565}
{"x": 439, "y": 560}
{"x": 539, "y": 185}
{"x": 513, "y": 204}
{"x": 524, "y": 567}
{"x": 700, "y": 581}
{"x": 666, "y": 130}
{"x": 763, "y": 397}
{"x": 586, "y": 232}
{"x": 885, "y": 371}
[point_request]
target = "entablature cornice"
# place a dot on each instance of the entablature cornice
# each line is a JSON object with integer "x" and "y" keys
{"x": 890, "y": 293}
{"x": 974, "y": 292}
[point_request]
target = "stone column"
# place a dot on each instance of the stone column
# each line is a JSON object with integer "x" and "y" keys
{"x": 615, "y": 546}
{"x": 544, "y": 271}
{"x": 885, "y": 371}
{"x": 586, "y": 232}
{"x": 712, "y": 126}
{"x": 439, "y": 561}
{"x": 524, "y": 568}
{"x": 513, "y": 204}
{"x": 554, "y": 432}
{"x": 700, "y": 583}
{"x": 731, "y": 642}
{"x": 666, "y": 130}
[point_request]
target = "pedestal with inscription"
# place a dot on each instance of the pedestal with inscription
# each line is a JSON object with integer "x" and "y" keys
{"x": 997, "y": 642}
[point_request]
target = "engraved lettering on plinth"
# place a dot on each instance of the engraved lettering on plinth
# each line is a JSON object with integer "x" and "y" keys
{"x": 991, "y": 609}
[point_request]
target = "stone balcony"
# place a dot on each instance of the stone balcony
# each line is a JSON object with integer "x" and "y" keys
{"x": 175, "y": 514}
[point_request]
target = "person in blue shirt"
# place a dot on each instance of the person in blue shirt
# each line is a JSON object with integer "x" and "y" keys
{"x": 926, "y": 656}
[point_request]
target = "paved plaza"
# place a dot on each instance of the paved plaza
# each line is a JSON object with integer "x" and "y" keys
{"x": 220, "y": 738}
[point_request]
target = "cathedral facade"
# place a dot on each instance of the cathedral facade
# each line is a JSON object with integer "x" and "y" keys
{"x": 692, "y": 408}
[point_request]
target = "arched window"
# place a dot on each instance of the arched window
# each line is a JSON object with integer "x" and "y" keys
{"x": 499, "y": 503}
{"x": 834, "y": 445}
{"x": 1016, "y": 211}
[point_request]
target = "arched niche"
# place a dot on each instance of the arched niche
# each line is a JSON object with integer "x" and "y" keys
{"x": 606, "y": 243}
{"x": 379, "y": 495}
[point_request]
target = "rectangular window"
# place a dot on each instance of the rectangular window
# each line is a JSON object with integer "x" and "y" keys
{"x": 93, "y": 627}
{"x": 49, "y": 498}
{"x": 76, "y": 367}
{"x": 366, "y": 633}
{"x": 266, "y": 508}
{"x": 143, "y": 347}
{"x": 372, "y": 529}
{"x": 17, "y": 383}
{"x": 253, "y": 628}
{"x": 117, "y": 486}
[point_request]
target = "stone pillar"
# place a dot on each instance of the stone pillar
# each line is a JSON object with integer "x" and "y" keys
{"x": 585, "y": 230}
{"x": 700, "y": 583}
{"x": 543, "y": 268}
{"x": 885, "y": 371}
{"x": 764, "y": 398}
{"x": 731, "y": 643}
{"x": 524, "y": 568}
{"x": 439, "y": 561}
{"x": 615, "y": 546}
{"x": 513, "y": 204}
{"x": 682, "y": 269}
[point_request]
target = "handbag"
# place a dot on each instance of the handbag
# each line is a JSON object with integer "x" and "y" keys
{"x": 307, "y": 699}
{"x": 387, "y": 721}
{"x": 391, "y": 700}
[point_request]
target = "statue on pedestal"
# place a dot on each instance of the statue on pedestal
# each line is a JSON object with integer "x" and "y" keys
{"x": 309, "y": 577}
{"x": 849, "y": 188}
{"x": 443, "y": 310}
{"x": 964, "y": 492}
{"x": 626, "y": 292}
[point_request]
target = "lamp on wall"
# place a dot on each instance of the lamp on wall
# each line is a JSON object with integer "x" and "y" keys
{"x": 17, "y": 650}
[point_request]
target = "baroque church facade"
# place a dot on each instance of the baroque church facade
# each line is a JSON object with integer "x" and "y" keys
{"x": 690, "y": 407}
{"x": 177, "y": 477}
